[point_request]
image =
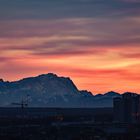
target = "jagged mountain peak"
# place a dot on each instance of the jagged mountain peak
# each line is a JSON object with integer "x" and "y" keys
{"x": 1, "y": 80}
{"x": 49, "y": 84}
{"x": 86, "y": 93}
{"x": 48, "y": 75}
{"x": 129, "y": 93}
{"x": 51, "y": 90}
{"x": 42, "y": 76}
{"x": 111, "y": 93}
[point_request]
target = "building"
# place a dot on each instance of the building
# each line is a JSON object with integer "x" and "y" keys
{"x": 127, "y": 100}
{"x": 118, "y": 110}
{"x": 127, "y": 108}
{"x": 136, "y": 109}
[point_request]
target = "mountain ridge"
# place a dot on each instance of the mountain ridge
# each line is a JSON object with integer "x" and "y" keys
{"x": 50, "y": 90}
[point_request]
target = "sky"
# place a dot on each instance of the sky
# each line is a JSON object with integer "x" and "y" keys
{"x": 95, "y": 42}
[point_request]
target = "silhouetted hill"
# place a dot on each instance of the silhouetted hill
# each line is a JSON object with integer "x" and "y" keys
{"x": 49, "y": 90}
{"x": 111, "y": 94}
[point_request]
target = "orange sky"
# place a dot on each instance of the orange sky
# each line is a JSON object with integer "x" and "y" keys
{"x": 96, "y": 69}
{"x": 99, "y": 52}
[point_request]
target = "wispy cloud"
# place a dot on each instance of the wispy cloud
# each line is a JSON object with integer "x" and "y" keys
{"x": 99, "y": 39}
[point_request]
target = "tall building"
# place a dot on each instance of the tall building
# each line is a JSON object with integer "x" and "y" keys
{"x": 118, "y": 110}
{"x": 127, "y": 108}
{"x": 127, "y": 100}
{"x": 136, "y": 109}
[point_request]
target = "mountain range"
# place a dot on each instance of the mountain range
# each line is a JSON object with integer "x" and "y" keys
{"x": 50, "y": 90}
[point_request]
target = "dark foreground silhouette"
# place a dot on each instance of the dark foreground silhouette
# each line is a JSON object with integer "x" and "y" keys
{"x": 41, "y": 129}
{"x": 64, "y": 124}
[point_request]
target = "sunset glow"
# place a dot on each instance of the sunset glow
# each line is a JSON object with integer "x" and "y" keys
{"x": 98, "y": 50}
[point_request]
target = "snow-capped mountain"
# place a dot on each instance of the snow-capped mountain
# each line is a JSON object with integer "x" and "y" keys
{"x": 43, "y": 90}
{"x": 50, "y": 90}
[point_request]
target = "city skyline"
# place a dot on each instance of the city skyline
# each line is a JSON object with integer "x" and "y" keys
{"x": 94, "y": 42}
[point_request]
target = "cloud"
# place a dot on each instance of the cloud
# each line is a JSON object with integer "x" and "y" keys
{"x": 131, "y": 1}
{"x": 131, "y": 55}
{"x": 66, "y": 9}
{"x": 68, "y": 37}
{"x": 89, "y": 40}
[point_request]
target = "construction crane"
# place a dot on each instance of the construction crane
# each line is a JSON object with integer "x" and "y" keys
{"x": 23, "y": 103}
